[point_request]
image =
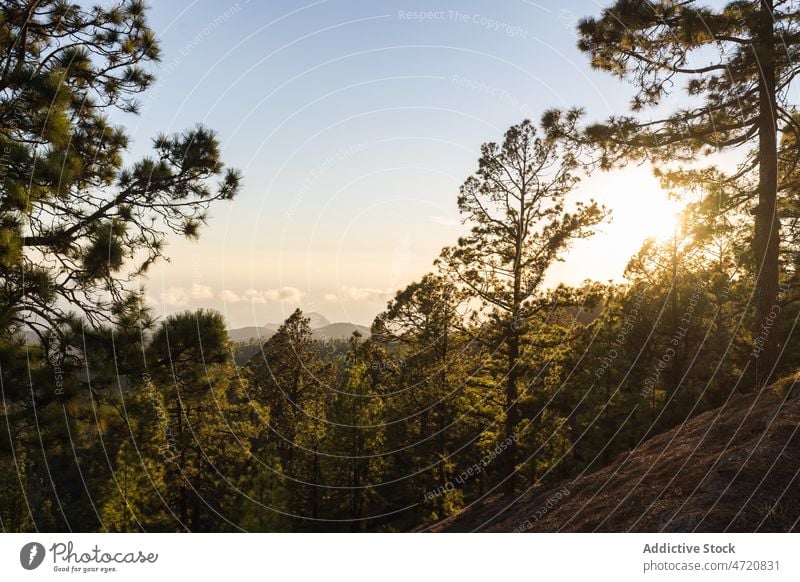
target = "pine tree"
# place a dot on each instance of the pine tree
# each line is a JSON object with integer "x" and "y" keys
{"x": 514, "y": 205}
{"x": 740, "y": 101}
{"x": 79, "y": 223}
{"x": 289, "y": 379}
{"x": 422, "y": 325}
{"x": 210, "y": 426}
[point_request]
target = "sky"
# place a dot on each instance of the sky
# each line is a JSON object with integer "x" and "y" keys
{"x": 353, "y": 124}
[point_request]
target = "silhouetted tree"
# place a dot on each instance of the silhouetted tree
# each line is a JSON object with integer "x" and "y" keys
{"x": 514, "y": 205}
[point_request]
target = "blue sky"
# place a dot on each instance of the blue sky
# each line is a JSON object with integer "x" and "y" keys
{"x": 354, "y": 123}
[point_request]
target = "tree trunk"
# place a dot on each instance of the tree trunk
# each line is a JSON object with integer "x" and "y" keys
{"x": 183, "y": 500}
{"x": 316, "y": 483}
{"x": 444, "y": 417}
{"x": 512, "y": 412}
{"x": 356, "y": 499}
{"x": 512, "y": 378}
{"x": 766, "y": 241}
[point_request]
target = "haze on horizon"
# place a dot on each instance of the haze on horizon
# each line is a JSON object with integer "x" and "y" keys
{"x": 354, "y": 126}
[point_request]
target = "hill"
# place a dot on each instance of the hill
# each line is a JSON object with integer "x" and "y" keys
{"x": 319, "y": 324}
{"x": 735, "y": 469}
{"x": 243, "y": 334}
{"x": 340, "y": 331}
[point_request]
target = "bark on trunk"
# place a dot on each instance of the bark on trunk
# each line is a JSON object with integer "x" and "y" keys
{"x": 765, "y": 244}
{"x": 512, "y": 413}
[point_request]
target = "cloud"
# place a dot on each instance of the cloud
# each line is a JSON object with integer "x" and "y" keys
{"x": 254, "y": 296}
{"x": 175, "y": 297}
{"x": 228, "y": 296}
{"x": 330, "y": 297}
{"x": 285, "y": 294}
{"x": 201, "y": 291}
{"x": 365, "y": 293}
{"x": 291, "y": 294}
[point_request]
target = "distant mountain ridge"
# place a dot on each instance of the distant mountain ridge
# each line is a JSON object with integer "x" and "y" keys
{"x": 321, "y": 328}
{"x": 340, "y": 331}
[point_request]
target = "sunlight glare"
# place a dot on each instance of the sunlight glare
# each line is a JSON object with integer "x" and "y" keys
{"x": 640, "y": 209}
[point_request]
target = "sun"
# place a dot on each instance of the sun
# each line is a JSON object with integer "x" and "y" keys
{"x": 640, "y": 210}
{"x": 665, "y": 221}
{"x": 640, "y": 215}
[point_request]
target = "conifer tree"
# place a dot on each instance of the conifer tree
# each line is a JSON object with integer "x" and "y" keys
{"x": 514, "y": 205}
{"x": 737, "y": 63}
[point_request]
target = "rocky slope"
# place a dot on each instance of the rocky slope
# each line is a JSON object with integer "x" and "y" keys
{"x": 736, "y": 469}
